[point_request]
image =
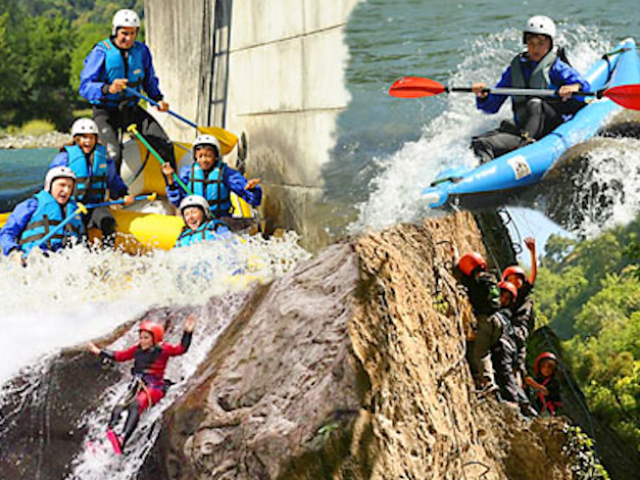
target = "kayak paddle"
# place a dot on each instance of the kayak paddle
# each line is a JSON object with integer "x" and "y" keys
{"x": 627, "y": 96}
{"x": 81, "y": 209}
{"x": 227, "y": 139}
{"x": 132, "y": 129}
{"x": 151, "y": 198}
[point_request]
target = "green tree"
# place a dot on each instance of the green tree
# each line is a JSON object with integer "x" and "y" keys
{"x": 45, "y": 54}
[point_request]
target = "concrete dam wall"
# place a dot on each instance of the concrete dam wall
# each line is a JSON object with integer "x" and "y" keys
{"x": 273, "y": 69}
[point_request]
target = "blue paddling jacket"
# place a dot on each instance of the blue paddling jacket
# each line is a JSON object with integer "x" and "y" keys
{"x": 210, "y": 230}
{"x": 551, "y": 72}
{"x": 94, "y": 174}
{"x": 216, "y": 186}
{"x": 34, "y": 218}
{"x": 106, "y": 63}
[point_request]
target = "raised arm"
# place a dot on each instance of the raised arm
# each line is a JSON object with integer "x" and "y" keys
{"x": 530, "y": 243}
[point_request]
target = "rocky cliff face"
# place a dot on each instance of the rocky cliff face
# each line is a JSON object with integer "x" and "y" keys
{"x": 350, "y": 367}
{"x": 353, "y": 367}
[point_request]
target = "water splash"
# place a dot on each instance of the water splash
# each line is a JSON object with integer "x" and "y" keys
{"x": 606, "y": 190}
{"x": 395, "y": 191}
{"x": 97, "y": 461}
{"x": 87, "y": 294}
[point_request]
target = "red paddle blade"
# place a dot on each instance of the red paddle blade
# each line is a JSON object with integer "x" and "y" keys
{"x": 627, "y": 96}
{"x": 415, "y": 87}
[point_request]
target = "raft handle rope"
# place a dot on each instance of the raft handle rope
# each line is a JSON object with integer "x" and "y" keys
{"x": 140, "y": 170}
{"x": 517, "y": 246}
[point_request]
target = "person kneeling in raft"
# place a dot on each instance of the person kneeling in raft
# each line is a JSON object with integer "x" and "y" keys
{"x": 34, "y": 218}
{"x": 148, "y": 386}
{"x": 199, "y": 225}
{"x": 95, "y": 173}
{"x": 212, "y": 179}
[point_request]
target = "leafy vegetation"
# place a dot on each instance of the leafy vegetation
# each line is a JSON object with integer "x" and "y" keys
{"x": 43, "y": 44}
{"x": 589, "y": 292}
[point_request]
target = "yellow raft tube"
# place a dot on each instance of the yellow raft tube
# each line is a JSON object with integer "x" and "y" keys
{"x": 149, "y": 225}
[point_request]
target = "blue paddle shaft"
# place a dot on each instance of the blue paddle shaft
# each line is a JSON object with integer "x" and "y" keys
{"x": 115, "y": 202}
{"x": 49, "y": 235}
{"x": 155, "y": 104}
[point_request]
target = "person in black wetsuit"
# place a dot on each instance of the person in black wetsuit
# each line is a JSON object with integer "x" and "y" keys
{"x": 523, "y": 312}
{"x": 494, "y": 352}
{"x": 149, "y": 386}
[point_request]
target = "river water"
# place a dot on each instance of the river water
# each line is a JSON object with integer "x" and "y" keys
{"x": 387, "y": 150}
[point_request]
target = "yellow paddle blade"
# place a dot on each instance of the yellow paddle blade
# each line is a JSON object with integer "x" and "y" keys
{"x": 227, "y": 139}
{"x": 3, "y": 218}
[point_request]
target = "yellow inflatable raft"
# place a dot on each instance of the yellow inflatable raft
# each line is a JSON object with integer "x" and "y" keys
{"x": 153, "y": 224}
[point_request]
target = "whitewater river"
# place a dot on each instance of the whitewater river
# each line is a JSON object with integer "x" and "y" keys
{"x": 387, "y": 150}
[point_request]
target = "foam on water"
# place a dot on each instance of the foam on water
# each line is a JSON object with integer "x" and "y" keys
{"x": 77, "y": 295}
{"x": 609, "y": 192}
{"x": 396, "y": 191}
{"x": 97, "y": 460}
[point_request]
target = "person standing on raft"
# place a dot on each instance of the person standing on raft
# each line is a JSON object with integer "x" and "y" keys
{"x": 540, "y": 67}
{"x": 113, "y": 65}
{"x": 149, "y": 386}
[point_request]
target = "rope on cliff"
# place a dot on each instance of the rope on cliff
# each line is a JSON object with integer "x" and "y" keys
{"x": 552, "y": 347}
{"x": 476, "y": 462}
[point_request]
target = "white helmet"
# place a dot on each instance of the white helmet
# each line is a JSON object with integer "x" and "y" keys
{"x": 195, "y": 201}
{"x": 83, "y": 126}
{"x": 207, "y": 140}
{"x": 539, "y": 25}
{"x": 125, "y": 18}
{"x": 55, "y": 173}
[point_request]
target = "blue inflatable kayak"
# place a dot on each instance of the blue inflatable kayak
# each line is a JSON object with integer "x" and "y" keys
{"x": 494, "y": 182}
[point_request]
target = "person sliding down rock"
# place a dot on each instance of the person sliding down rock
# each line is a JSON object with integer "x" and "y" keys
{"x": 545, "y": 384}
{"x": 523, "y": 319}
{"x": 148, "y": 386}
{"x": 494, "y": 352}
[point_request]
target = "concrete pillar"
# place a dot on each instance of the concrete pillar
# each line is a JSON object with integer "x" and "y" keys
{"x": 274, "y": 69}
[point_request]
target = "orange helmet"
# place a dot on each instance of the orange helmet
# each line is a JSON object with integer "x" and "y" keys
{"x": 514, "y": 270}
{"x": 155, "y": 329}
{"x": 541, "y": 358}
{"x": 509, "y": 287}
{"x": 470, "y": 261}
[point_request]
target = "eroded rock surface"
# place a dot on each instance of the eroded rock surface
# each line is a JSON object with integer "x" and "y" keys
{"x": 353, "y": 366}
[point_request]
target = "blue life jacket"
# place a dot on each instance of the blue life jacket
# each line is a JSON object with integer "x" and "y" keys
{"x": 114, "y": 68}
{"x": 212, "y": 188}
{"x": 89, "y": 188}
{"x": 49, "y": 214}
{"x": 206, "y": 231}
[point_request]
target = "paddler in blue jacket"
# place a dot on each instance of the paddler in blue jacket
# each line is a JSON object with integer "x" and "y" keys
{"x": 540, "y": 67}
{"x": 199, "y": 226}
{"x": 212, "y": 179}
{"x": 95, "y": 173}
{"x": 113, "y": 64}
{"x": 34, "y": 218}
